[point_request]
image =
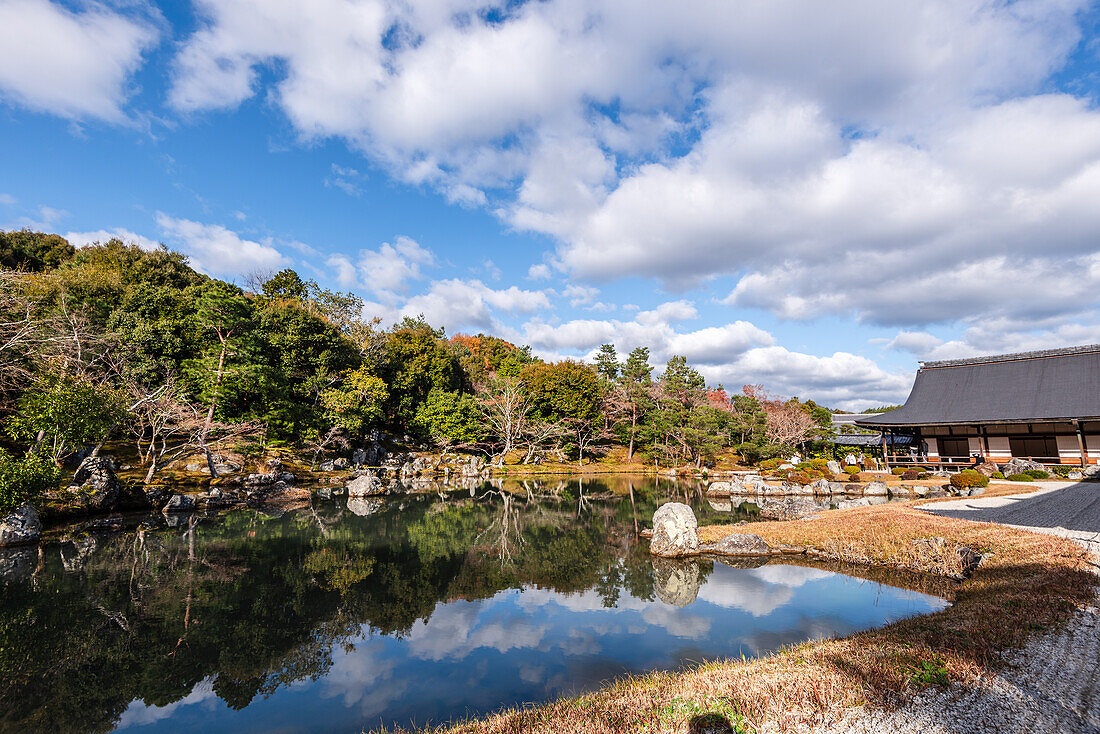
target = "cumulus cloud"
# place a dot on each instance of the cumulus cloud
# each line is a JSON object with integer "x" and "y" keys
{"x": 216, "y": 250}
{"x": 701, "y": 139}
{"x": 461, "y": 305}
{"x": 102, "y": 236}
{"x": 387, "y": 269}
{"x": 76, "y": 64}
{"x": 538, "y": 272}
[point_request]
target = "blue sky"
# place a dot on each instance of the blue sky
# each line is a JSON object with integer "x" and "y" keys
{"x": 809, "y": 196}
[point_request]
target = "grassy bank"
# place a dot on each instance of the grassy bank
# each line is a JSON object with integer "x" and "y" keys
{"x": 1026, "y": 583}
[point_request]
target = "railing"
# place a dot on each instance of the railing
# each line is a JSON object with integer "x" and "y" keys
{"x": 962, "y": 462}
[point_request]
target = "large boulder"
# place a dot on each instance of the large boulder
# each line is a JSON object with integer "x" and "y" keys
{"x": 876, "y": 489}
{"x": 179, "y": 503}
{"x": 794, "y": 488}
{"x": 987, "y": 469}
{"x": 676, "y": 582}
{"x": 741, "y": 544}
{"x": 1019, "y": 466}
{"x": 20, "y": 526}
{"x": 95, "y": 487}
{"x": 675, "y": 531}
{"x": 719, "y": 489}
{"x": 834, "y": 467}
{"x": 787, "y": 508}
{"x": 1091, "y": 472}
{"x": 365, "y": 486}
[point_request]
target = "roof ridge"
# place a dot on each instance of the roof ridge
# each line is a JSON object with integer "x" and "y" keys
{"x": 1038, "y": 354}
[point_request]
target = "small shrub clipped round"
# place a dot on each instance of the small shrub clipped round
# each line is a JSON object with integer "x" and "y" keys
{"x": 820, "y": 464}
{"x": 911, "y": 474}
{"x": 770, "y": 464}
{"x": 897, "y": 471}
{"x": 968, "y": 480}
{"x": 1037, "y": 474}
{"x": 853, "y": 470}
{"x": 997, "y": 475}
{"x": 923, "y": 475}
{"x": 802, "y": 477}
{"x": 1021, "y": 478}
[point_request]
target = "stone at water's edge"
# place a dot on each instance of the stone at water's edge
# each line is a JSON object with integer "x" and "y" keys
{"x": 675, "y": 531}
{"x": 95, "y": 487}
{"x": 876, "y": 489}
{"x": 20, "y": 526}
{"x": 742, "y": 544}
{"x": 719, "y": 489}
{"x": 179, "y": 503}
{"x": 364, "y": 486}
{"x": 834, "y": 467}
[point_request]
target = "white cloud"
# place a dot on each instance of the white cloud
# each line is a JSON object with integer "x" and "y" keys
{"x": 580, "y": 295}
{"x": 102, "y": 236}
{"x": 73, "y": 64}
{"x": 214, "y": 249}
{"x": 704, "y": 139}
{"x": 386, "y": 270}
{"x": 459, "y": 305}
{"x": 538, "y": 272}
{"x": 7, "y": 199}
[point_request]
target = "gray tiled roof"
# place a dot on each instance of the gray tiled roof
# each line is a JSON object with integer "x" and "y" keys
{"x": 1057, "y": 384}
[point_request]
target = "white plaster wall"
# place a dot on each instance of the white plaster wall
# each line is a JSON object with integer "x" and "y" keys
{"x": 1068, "y": 448}
{"x": 999, "y": 447}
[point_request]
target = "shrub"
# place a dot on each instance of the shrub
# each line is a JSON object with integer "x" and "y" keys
{"x": 24, "y": 480}
{"x": 770, "y": 464}
{"x": 820, "y": 464}
{"x": 897, "y": 471}
{"x": 1037, "y": 474}
{"x": 968, "y": 479}
{"x": 853, "y": 470}
{"x": 911, "y": 474}
{"x": 997, "y": 475}
{"x": 801, "y": 477}
{"x": 922, "y": 475}
{"x": 1021, "y": 478}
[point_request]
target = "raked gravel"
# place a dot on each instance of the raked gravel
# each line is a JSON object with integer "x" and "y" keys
{"x": 1050, "y": 686}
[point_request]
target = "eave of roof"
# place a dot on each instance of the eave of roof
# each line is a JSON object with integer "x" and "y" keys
{"x": 1054, "y": 385}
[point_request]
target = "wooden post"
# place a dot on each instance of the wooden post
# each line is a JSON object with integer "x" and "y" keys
{"x": 985, "y": 442}
{"x": 1081, "y": 444}
{"x": 885, "y": 457}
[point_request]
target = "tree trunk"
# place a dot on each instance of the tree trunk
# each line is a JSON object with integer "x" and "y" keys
{"x": 210, "y": 414}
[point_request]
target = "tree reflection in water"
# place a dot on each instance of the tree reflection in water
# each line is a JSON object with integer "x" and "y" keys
{"x": 241, "y": 605}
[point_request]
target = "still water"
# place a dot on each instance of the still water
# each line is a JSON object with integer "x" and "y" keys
{"x": 419, "y": 609}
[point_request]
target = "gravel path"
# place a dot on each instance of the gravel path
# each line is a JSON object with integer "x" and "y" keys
{"x": 1066, "y": 509}
{"x": 1052, "y": 684}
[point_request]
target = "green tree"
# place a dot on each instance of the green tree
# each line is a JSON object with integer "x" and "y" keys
{"x": 357, "y": 402}
{"x": 33, "y": 251}
{"x": 64, "y": 413}
{"x": 607, "y": 363}
{"x": 24, "y": 480}
{"x": 417, "y": 362}
{"x": 566, "y": 392}
{"x": 449, "y": 418}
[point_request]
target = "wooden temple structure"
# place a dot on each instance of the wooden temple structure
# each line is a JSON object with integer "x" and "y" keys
{"x": 1043, "y": 406}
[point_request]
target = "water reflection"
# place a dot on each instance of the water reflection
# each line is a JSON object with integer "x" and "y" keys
{"x": 345, "y": 614}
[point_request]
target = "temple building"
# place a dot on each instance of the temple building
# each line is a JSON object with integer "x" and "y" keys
{"x": 1043, "y": 406}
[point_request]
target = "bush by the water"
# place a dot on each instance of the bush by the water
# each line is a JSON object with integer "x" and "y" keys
{"x": 24, "y": 480}
{"x": 1021, "y": 478}
{"x": 853, "y": 470}
{"x": 968, "y": 479}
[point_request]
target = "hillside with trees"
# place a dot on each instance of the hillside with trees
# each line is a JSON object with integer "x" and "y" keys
{"x": 113, "y": 344}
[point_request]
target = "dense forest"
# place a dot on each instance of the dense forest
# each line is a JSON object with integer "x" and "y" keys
{"x": 115, "y": 343}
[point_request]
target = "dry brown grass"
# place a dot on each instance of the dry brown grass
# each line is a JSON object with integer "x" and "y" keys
{"x": 1027, "y": 582}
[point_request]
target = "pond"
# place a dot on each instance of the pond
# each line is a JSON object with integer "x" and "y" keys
{"x": 418, "y": 609}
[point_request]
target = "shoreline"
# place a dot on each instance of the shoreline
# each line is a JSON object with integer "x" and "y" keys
{"x": 1027, "y": 584}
